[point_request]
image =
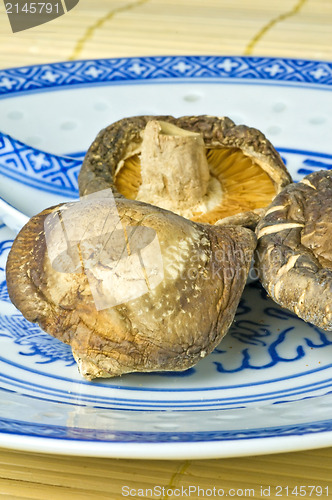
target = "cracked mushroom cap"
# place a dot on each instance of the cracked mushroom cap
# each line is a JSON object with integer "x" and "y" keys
{"x": 294, "y": 252}
{"x": 156, "y": 293}
{"x": 204, "y": 168}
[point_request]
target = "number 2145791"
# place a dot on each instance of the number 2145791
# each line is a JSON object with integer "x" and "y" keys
{"x": 300, "y": 491}
{"x": 33, "y": 8}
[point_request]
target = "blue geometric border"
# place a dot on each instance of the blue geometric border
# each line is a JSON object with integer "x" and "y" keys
{"x": 31, "y": 167}
{"x": 145, "y": 69}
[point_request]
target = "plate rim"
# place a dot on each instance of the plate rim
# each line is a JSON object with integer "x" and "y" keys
{"x": 202, "y": 450}
{"x": 178, "y": 67}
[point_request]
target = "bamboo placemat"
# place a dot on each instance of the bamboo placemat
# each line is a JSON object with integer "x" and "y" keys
{"x": 33, "y": 476}
{"x": 116, "y": 28}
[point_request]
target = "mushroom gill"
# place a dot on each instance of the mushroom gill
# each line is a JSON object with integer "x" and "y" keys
{"x": 175, "y": 169}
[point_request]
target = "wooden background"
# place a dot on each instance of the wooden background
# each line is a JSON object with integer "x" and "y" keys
{"x": 111, "y": 28}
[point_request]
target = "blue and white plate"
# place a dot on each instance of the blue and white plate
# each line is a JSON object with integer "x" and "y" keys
{"x": 268, "y": 386}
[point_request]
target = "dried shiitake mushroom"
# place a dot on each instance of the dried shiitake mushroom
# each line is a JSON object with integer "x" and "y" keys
{"x": 201, "y": 167}
{"x": 156, "y": 292}
{"x": 294, "y": 253}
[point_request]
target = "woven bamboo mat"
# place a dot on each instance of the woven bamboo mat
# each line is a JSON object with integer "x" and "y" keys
{"x": 116, "y": 28}
{"x": 33, "y": 476}
{"x": 112, "y": 28}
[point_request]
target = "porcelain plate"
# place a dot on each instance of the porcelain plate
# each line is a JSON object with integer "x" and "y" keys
{"x": 268, "y": 385}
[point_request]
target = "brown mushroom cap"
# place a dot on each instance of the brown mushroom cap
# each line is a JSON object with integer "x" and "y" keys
{"x": 294, "y": 252}
{"x": 248, "y": 168}
{"x": 170, "y": 327}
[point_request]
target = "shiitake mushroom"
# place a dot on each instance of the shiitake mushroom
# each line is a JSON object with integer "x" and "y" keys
{"x": 294, "y": 252}
{"x": 177, "y": 180}
{"x": 179, "y": 318}
{"x": 204, "y": 168}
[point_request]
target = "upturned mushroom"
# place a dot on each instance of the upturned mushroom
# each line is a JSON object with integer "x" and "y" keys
{"x": 131, "y": 287}
{"x": 204, "y": 168}
{"x": 294, "y": 252}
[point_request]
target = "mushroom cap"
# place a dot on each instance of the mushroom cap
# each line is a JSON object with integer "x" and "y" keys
{"x": 171, "y": 326}
{"x": 294, "y": 251}
{"x": 244, "y": 148}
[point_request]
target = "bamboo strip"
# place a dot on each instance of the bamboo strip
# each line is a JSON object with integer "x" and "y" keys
{"x": 100, "y": 475}
{"x": 171, "y": 27}
{"x": 12, "y": 490}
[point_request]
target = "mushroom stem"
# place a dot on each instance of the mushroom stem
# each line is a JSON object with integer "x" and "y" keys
{"x": 173, "y": 165}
